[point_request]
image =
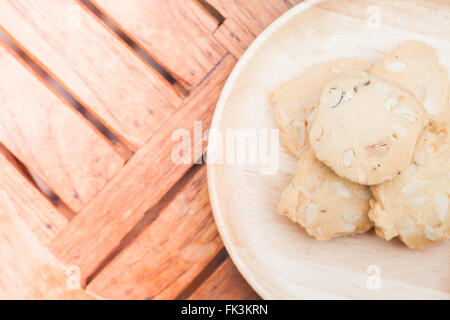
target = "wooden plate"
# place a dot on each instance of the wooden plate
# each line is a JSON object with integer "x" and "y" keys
{"x": 276, "y": 256}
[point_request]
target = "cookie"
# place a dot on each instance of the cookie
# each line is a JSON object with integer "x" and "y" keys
{"x": 414, "y": 205}
{"x": 295, "y": 101}
{"x": 323, "y": 203}
{"x": 366, "y": 128}
{"x": 415, "y": 66}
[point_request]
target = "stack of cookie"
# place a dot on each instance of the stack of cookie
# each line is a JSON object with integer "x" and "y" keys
{"x": 373, "y": 147}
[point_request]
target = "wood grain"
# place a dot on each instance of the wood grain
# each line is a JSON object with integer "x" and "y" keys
{"x": 42, "y": 219}
{"x": 93, "y": 64}
{"x": 140, "y": 185}
{"x": 50, "y": 138}
{"x": 169, "y": 253}
{"x": 254, "y": 15}
{"x": 176, "y": 33}
{"x": 225, "y": 283}
{"x": 262, "y": 13}
{"x": 245, "y": 20}
{"x": 234, "y": 36}
{"x": 28, "y": 270}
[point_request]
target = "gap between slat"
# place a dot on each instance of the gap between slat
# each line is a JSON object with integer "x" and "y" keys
{"x": 28, "y": 59}
{"x": 150, "y": 216}
{"x": 210, "y": 10}
{"x": 212, "y": 266}
{"x": 133, "y": 45}
{"x": 43, "y": 188}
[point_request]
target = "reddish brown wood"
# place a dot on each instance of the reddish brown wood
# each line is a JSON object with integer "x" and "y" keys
{"x": 169, "y": 253}
{"x": 42, "y": 219}
{"x": 245, "y": 20}
{"x": 254, "y": 15}
{"x": 93, "y": 64}
{"x": 169, "y": 256}
{"x": 139, "y": 186}
{"x": 176, "y": 33}
{"x": 52, "y": 140}
{"x": 226, "y": 283}
{"x": 234, "y": 36}
{"x": 27, "y": 269}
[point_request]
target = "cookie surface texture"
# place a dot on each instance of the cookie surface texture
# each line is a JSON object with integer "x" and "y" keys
{"x": 326, "y": 205}
{"x": 414, "y": 205}
{"x": 366, "y": 128}
{"x": 415, "y": 66}
{"x": 295, "y": 102}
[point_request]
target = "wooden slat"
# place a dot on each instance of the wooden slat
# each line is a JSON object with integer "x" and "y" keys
{"x": 169, "y": 253}
{"x": 262, "y": 13}
{"x": 52, "y": 140}
{"x": 294, "y": 2}
{"x": 435, "y": 13}
{"x": 226, "y": 283}
{"x": 245, "y": 20}
{"x": 176, "y": 33}
{"x": 27, "y": 269}
{"x": 230, "y": 9}
{"x": 32, "y": 207}
{"x": 254, "y": 15}
{"x": 98, "y": 229}
{"x": 234, "y": 36}
{"x": 93, "y": 64}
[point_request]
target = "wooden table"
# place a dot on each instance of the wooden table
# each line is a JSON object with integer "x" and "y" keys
{"x": 92, "y": 204}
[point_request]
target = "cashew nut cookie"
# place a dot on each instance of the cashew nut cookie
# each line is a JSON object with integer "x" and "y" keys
{"x": 415, "y": 66}
{"x": 414, "y": 205}
{"x": 366, "y": 128}
{"x": 295, "y": 102}
{"x": 324, "y": 204}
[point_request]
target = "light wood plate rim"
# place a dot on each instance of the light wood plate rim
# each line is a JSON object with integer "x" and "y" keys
{"x": 244, "y": 265}
{"x": 253, "y": 48}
